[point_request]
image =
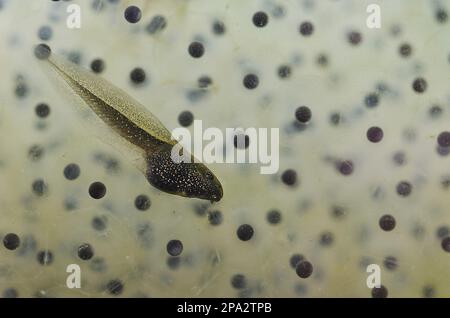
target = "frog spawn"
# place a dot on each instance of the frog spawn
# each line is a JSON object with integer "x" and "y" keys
{"x": 331, "y": 157}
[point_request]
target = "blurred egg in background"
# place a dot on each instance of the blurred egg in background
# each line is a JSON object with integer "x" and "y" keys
{"x": 364, "y": 177}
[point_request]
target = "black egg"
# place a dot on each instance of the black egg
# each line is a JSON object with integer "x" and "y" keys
{"x": 142, "y": 202}
{"x": 306, "y": 28}
{"x": 115, "y": 287}
{"x": 387, "y": 222}
{"x": 289, "y": 177}
{"x": 185, "y": 118}
{"x": 97, "y": 190}
{"x": 174, "y": 247}
{"x": 45, "y": 257}
{"x": 251, "y": 81}
{"x": 245, "y": 232}
{"x": 196, "y": 49}
{"x": 97, "y": 65}
{"x": 444, "y": 139}
{"x": 374, "y": 134}
{"x": 72, "y": 171}
{"x": 379, "y": 292}
{"x": 420, "y": 85}
{"x": 85, "y": 251}
{"x": 304, "y": 269}
{"x": 42, "y": 51}
{"x": 137, "y": 75}
{"x": 238, "y": 281}
{"x": 303, "y": 114}
{"x": 11, "y": 241}
{"x": 260, "y": 19}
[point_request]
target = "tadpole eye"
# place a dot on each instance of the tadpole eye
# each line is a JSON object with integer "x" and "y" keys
{"x": 209, "y": 176}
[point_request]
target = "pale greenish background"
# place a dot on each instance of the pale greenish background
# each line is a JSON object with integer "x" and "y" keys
{"x": 341, "y": 86}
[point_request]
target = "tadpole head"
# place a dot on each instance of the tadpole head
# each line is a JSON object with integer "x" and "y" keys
{"x": 192, "y": 180}
{"x": 208, "y": 181}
